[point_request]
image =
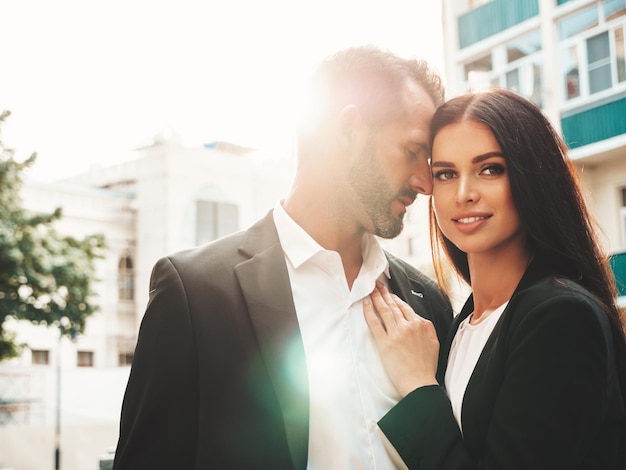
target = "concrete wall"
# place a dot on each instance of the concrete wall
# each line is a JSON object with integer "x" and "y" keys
{"x": 603, "y": 184}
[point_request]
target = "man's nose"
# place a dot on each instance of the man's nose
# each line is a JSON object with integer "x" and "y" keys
{"x": 421, "y": 181}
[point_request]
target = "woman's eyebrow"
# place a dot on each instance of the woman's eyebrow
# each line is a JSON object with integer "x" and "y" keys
{"x": 485, "y": 156}
{"x": 476, "y": 159}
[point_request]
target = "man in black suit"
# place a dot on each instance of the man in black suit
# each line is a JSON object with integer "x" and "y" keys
{"x": 253, "y": 351}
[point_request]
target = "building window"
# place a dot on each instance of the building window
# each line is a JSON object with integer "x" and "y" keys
{"x": 622, "y": 215}
{"x": 126, "y": 279}
{"x": 478, "y": 74}
{"x": 522, "y": 72}
{"x": 523, "y": 46}
{"x": 214, "y": 220}
{"x": 598, "y": 57}
{"x": 614, "y": 9}
{"x": 40, "y": 357}
{"x": 84, "y": 358}
{"x": 572, "y": 79}
{"x": 578, "y": 22}
{"x": 619, "y": 55}
{"x": 592, "y": 49}
{"x": 125, "y": 359}
{"x": 515, "y": 65}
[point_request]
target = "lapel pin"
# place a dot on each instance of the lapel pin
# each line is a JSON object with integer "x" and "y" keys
{"x": 419, "y": 294}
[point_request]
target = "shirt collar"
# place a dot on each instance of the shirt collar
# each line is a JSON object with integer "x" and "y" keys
{"x": 299, "y": 246}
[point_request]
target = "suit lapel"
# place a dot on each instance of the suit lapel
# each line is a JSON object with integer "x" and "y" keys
{"x": 480, "y": 391}
{"x": 267, "y": 292}
{"x": 535, "y": 271}
{"x": 409, "y": 289}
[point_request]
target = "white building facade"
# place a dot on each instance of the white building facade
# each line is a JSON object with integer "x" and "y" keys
{"x": 167, "y": 199}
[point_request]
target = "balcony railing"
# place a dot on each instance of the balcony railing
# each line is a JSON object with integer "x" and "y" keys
{"x": 595, "y": 124}
{"x": 618, "y": 264}
{"x": 492, "y": 18}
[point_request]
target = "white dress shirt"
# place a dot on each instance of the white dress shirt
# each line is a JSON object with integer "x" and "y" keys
{"x": 349, "y": 389}
{"x": 467, "y": 345}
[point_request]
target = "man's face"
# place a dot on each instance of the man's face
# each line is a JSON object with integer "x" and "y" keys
{"x": 393, "y": 166}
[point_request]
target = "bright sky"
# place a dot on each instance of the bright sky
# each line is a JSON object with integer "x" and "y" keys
{"x": 88, "y": 81}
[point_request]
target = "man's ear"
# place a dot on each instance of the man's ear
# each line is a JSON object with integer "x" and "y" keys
{"x": 348, "y": 121}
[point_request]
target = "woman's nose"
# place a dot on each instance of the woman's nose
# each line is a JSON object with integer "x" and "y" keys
{"x": 466, "y": 191}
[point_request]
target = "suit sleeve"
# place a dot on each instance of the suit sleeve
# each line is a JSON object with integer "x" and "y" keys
{"x": 158, "y": 419}
{"x": 546, "y": 411}
{"x": 423, "y": 430}
{"x": 554, "y": 394}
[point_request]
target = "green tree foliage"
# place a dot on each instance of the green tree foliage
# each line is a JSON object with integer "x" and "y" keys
{"x": 45, "y": 278}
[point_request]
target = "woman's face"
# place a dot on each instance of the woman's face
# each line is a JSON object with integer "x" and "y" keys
{"x": 472, "y": 193}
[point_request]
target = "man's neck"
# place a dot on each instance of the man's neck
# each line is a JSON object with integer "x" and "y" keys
{"x": 329, "y": 232}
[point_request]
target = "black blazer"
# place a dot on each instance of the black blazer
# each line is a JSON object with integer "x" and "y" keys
{"x": 218, "y": 378}
{"x": 544, "y": 393}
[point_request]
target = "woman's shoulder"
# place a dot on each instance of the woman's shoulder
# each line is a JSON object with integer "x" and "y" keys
{"x": 554, "y": 288}
{"x": 553, "y": 299}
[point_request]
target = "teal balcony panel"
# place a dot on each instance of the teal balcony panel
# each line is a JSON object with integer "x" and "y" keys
{"x": 492, "y": 18}
{"x": 618, "y": 265}
{"x": 561, "y": 2}
{"x": 595, "y": 124}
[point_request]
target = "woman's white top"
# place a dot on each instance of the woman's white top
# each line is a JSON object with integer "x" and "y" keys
{"x": 467, "y": 345}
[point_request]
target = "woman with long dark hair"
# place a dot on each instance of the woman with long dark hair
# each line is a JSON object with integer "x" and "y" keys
{"x": 533, "y": 375}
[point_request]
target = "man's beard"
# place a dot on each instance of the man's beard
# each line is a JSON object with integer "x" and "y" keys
{"x": 376, "y": 195}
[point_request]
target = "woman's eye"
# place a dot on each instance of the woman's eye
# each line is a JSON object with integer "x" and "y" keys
{"x": 493, "y": 170}
{"x": 443, "y": 175}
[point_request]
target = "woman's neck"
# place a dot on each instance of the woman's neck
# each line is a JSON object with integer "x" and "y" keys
{"x": 494, "y": 279}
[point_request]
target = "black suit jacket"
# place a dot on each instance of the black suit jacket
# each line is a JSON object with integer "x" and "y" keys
{"x": 219, "y": 378}
{"x": 544, "y": 393}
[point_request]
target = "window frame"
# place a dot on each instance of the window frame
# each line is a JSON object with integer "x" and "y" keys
{"x": 35, "y": 353}
{"x": 501, "y": 68}
{"x": 580, "y": 42}
{"x": 217, "y": 225}
{"x": 81, "y": 355}
{"x": 125, "y": 279}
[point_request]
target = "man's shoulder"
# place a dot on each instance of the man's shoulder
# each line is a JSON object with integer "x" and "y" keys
{"x": 222, "y": 247}
{"x": 229, "y": 247}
